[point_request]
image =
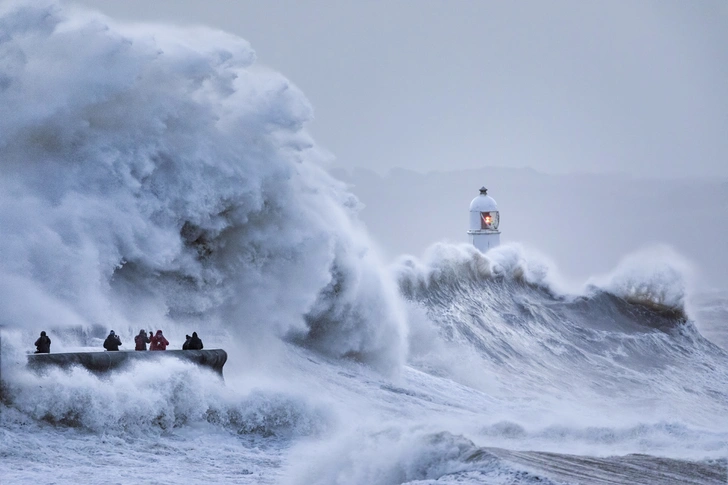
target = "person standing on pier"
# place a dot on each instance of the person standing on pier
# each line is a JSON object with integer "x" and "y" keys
{"x": 43, "y": 344}
{"x": 142, "y": 340}
{"x": 194, "y": 343}
{"x": 158, "y": 342}
{"x": 112, "y": 342}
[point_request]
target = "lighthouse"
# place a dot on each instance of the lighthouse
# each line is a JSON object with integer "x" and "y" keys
{"x": 484, "y": 219}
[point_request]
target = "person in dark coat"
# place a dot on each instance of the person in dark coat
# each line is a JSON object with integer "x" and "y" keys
{"x": 142, "y": 340}
{"x": 112, "y": 342}
{"x": 43, "y": 344}
{"x": 195, "y": 342}
{"x": 158, "y": 342}
{"x": 186, "y": 345}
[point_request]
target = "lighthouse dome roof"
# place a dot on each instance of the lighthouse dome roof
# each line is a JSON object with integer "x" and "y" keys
{"x": 483, "y": 202}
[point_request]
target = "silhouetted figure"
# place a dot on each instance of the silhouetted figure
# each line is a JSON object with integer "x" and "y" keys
{"x": 112, "y": 342}
{"x": 195, "y": 342}
{"x": 186, "y": 345}
{"x": 142, "y": 340}
{"x": 43, "y": 344}
{"x": 158, "y": 342}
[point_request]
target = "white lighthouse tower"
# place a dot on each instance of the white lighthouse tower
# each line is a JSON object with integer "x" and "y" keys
{"x": 484, "y": 219}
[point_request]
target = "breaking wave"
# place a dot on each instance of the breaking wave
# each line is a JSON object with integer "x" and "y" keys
{"x": 157, "y": 179}
{"x": 167, "y": 181}
{"x": 148, "y": 398}
{"x": 625, "y": 336}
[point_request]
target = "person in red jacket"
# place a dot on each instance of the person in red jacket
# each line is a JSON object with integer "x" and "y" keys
{"x": 158, "y": 342}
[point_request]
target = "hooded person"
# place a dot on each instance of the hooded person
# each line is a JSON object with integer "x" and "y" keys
{"x": 186, "y": 345}
{"x": 195, "y": 343}
{"x": 142, "y": 340}
{"x": 43, "y": 344}
{"x": 158, "y": 342}
{"x": 112, "y": 342}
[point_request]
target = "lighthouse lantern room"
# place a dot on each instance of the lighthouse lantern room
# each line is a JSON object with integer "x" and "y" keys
{"x": 484, "y": 219}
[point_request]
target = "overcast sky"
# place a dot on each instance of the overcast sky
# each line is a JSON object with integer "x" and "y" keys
{"x": 559, "y": 86}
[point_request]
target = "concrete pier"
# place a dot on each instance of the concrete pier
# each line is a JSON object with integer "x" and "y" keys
{"x": 101, "y": 362}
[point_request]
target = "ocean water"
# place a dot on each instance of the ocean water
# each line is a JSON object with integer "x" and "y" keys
{"x": 156, "y": 177}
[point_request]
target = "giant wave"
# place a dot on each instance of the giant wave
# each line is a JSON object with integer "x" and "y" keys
{"x": 159, "y": 178}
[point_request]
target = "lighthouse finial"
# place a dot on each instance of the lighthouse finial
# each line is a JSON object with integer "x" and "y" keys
{"x": 483, "y": 190}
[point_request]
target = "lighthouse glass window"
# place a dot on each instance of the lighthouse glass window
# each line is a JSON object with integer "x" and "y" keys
{"x": 489, "y": 220}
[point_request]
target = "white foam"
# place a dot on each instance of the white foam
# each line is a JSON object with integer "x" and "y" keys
{"x": 155, "y": 177}
{"x": 154, "y": 172}
{"x": 657, "y": 275}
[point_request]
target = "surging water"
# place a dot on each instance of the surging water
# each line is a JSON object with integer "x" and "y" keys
{"x": 155, "y": 177}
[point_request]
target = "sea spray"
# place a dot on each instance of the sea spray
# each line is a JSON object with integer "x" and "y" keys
{"x": 156, "y": 177}
{"x": 149, "y": 180}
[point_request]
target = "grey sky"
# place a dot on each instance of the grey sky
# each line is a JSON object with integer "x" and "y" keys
{"x": 560, "y": 86}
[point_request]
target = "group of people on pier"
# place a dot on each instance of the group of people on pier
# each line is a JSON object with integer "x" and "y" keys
{"x": 112, "y": 342}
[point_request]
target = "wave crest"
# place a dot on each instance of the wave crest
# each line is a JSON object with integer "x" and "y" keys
{"x": 656, "y": 277}
{"x": 454, "y": 264}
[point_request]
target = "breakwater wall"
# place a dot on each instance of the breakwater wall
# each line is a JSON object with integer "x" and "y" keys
{"x": 101, "y": 362}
